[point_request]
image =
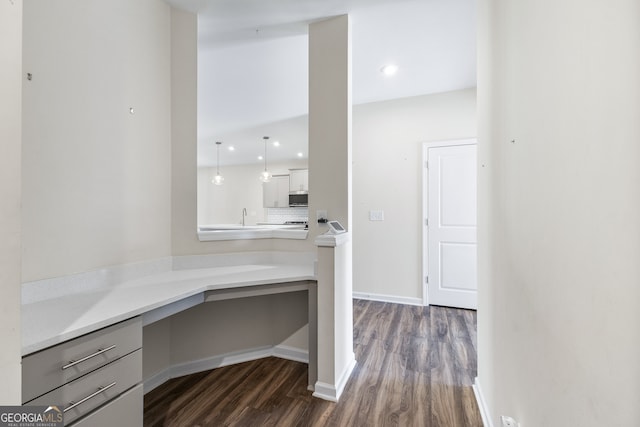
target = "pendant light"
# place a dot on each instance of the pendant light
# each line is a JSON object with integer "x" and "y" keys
{"x": 218, "y": 179}
{"x": 266, "y": 175}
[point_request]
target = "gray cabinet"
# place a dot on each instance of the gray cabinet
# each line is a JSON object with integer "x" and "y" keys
{"x": 50, "y": 368}
{"x": 87, "y": 372}
{"x": 126, "y": 410}
{"x": 275, "y": 193}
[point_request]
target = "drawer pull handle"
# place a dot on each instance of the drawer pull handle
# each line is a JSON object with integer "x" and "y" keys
{"x": 97, "y": 353}
{"x": 91, "y": 396}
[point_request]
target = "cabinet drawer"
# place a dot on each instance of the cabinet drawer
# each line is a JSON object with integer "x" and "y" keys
{"x": 96, "y": 388}
{"x": 50, "y": 368}
{"x": 126, "y": 410}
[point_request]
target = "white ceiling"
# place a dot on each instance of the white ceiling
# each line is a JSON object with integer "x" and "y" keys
{"x": 252, "y": 64}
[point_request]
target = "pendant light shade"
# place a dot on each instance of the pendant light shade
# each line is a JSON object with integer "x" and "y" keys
{"x": 218, "y": 179}
{"x": 265, "y": 176}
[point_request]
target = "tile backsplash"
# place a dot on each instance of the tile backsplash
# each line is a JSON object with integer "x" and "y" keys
{"x": 281, "y": 215}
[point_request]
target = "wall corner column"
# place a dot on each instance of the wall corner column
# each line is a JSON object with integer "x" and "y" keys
{"x": 11, "y": 196}
{"x": 330, "y": 190}
{"x": 336, "y": 358}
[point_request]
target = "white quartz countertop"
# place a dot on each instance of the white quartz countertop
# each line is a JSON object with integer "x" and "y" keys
{"x": 54, "y": 320}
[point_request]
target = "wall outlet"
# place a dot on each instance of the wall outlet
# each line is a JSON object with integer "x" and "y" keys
{"x": 322, "y": 216}
{"x": 508, "y": 421}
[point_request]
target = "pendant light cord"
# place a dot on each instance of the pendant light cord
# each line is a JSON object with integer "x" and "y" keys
{"x": 218, "y": 157}
{"x": 265, "y": 152}
{"x": 217, "y": 180}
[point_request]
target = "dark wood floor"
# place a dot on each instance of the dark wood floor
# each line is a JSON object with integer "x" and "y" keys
{"x": 415, "y": 368}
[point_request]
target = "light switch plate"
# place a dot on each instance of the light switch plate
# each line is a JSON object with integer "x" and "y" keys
{"x": 376, "y": 215}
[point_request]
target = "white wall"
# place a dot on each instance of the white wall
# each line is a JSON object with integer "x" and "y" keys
{"x": 559, "y": 236}
{"x": 387, "y": 175}
{"x": 222, "y": 204}
{"x": 96, "y": 178}
{"x": 10, "y": 228}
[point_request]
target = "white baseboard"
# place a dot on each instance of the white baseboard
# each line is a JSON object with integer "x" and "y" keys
{"x": 157, "y": 380}
{"x": 291, "y": 353}
{"x": 219, "y": 361}
{"x": 332, "y": 392}
{"x": 192, "y": 367}
{"x": 482, "y": 405}
{"x": 388, "y": 298}
{"x": 325, "y": 391}
{"x": 346, "y": 374}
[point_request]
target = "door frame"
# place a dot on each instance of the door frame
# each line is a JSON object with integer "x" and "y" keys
{"x": 425, "y": 204}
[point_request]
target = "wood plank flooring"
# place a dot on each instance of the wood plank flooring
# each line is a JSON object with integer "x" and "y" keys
{"x": 415, "y": 368}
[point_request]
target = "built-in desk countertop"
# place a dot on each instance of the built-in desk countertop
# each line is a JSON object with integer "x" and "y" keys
{"x": 55, "y": 319}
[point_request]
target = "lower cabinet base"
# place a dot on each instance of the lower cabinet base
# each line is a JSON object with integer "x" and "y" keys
{"x": 126, "y": 410}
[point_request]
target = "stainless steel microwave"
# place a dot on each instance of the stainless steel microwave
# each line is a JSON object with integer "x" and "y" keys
{"x": 298, "y": 199}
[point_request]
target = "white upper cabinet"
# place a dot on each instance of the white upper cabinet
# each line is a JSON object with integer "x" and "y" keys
{"x": 298, "y": 180}
{"x": 275, "y": 193}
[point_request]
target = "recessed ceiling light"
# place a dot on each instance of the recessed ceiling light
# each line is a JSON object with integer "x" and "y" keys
{"x": 299, "y": 154}
{"x": 389, "y": 69}
{"x": 276, "y": 143}
{"x": 260, "y": 157}
{"x": 231, "y": 148}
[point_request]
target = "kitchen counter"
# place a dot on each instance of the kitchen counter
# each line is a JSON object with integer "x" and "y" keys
{"x": 240, "y": 232}
{"x": 66, "y": 315}
{"x": 283, "y": 224}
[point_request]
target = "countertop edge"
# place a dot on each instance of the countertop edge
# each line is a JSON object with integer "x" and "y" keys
{"x": 116, "y": 316}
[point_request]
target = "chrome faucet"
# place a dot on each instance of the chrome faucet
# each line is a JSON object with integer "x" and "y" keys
{"x": 244, "y": 213}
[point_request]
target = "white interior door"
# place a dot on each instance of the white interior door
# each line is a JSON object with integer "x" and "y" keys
{"x": 451, "y": 245}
